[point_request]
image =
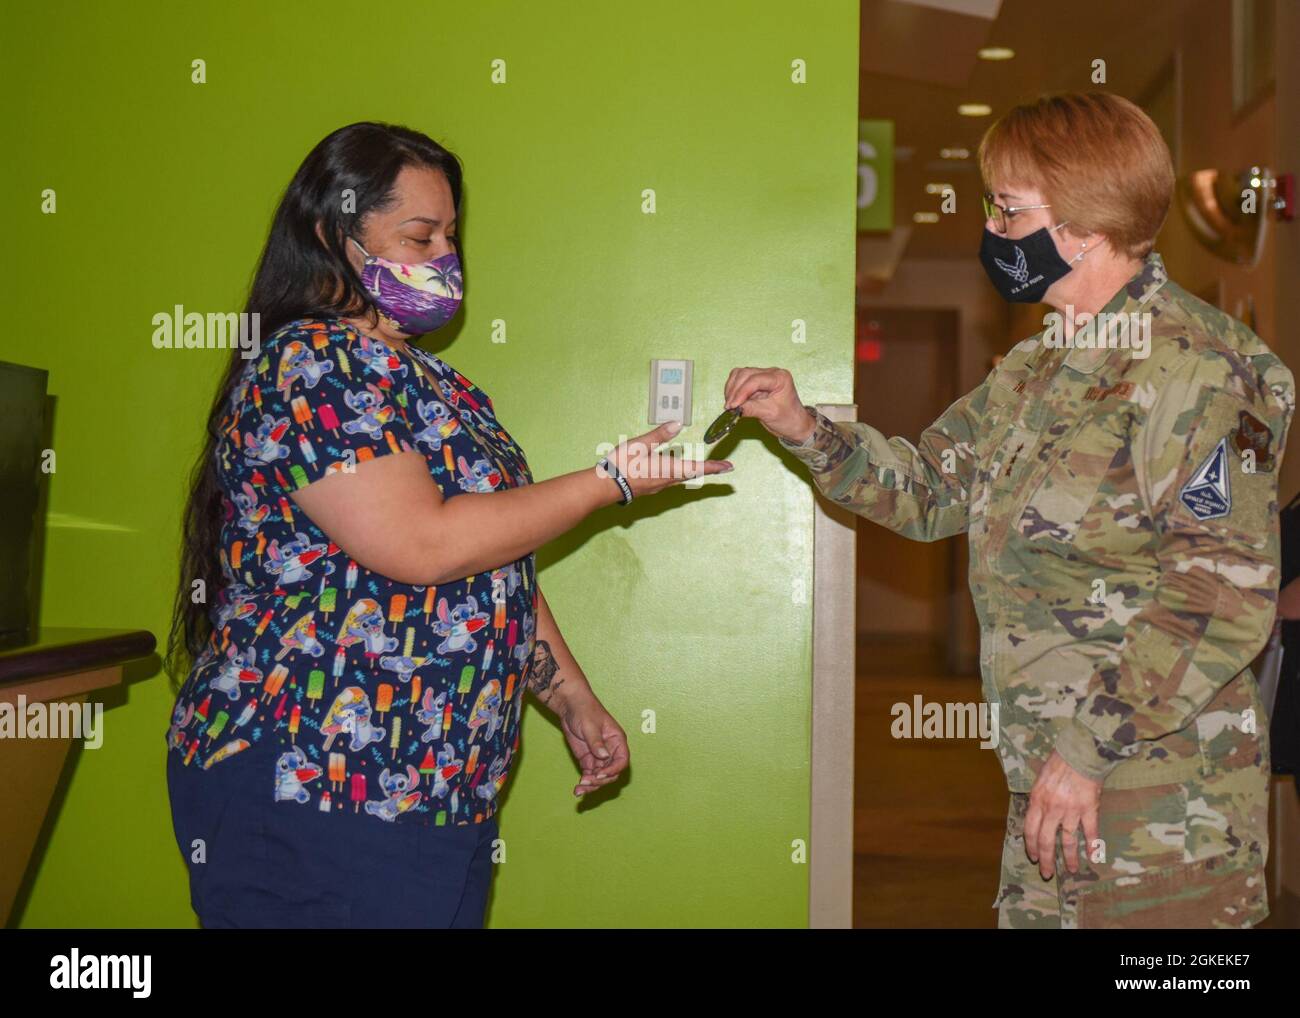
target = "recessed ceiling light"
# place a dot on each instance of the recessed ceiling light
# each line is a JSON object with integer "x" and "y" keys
{"x": 938, "y": 188}
{"x": 974, "y": 109}
{"x": 996, "y": 53}
{"x": 954, "y": 153}
{"x": 925, "y": 217}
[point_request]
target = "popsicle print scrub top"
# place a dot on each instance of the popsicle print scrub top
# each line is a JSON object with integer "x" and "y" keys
{"x": 333, "y": 701}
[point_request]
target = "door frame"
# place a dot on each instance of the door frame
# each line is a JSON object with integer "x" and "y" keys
{"x": 834, "y": 612}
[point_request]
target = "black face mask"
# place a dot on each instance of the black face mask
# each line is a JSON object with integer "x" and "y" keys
{"x": 1023, "y": 269}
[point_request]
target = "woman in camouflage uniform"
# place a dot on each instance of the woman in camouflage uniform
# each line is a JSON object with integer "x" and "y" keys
{"x": 1117, "y": 476}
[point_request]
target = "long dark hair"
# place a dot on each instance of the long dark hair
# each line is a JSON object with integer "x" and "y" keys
{"x": 348, "y": 175}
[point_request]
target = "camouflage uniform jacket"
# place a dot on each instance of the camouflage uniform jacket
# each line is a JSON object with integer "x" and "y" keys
{"x": 1122, "y": 512}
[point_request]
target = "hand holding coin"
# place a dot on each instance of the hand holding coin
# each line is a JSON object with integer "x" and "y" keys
{"x": 768, "y": 394}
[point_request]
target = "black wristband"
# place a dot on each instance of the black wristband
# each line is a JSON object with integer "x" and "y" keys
{"x": 619, "y": 479}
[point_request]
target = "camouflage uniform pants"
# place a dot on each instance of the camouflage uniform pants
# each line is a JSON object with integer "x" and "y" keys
{"x": 1171, "y": 856}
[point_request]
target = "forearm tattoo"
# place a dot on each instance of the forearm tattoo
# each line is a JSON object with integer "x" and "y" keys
{"x": 541, "y": 679}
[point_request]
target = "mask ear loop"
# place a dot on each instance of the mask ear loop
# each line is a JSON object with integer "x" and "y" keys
{"x": 375, "y": 291}
{"x": 1083, "y": 244}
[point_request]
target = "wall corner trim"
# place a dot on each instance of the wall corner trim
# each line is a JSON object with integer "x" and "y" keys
{"x": 830, "y": 876}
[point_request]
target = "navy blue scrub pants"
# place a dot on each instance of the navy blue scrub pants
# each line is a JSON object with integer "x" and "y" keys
{"x": 280, "y": 865}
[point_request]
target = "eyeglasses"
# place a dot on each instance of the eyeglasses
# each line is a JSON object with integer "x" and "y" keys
{"x": 1001, "y": 213}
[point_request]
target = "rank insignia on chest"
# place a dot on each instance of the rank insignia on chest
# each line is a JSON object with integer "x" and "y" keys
{"x": 1208, "y": 494}
{"x": 1255, "y": 436}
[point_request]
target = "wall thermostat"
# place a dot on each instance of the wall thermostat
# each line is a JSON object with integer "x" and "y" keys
{"x": 670, "y": 391}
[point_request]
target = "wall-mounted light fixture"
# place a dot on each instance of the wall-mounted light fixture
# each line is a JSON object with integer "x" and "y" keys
{"x": 1228, "y": 212}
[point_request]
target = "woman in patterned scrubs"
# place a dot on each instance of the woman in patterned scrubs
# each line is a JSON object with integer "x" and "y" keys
{"x": 358, "y": 604}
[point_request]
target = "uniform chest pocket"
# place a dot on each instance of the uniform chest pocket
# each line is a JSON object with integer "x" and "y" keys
{"x": 994, "y": 461}
{"x": 1003, "y": 403}
{"x": 999, "y": 437}
{"x": 1067, "y": 487}
{"x": 1013, "y": 460}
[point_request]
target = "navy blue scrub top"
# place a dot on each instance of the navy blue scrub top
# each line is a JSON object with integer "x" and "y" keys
{"x": 360, "y": 696}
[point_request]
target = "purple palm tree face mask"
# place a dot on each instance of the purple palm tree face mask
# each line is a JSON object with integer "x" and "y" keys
{"x": 417, "y": 298}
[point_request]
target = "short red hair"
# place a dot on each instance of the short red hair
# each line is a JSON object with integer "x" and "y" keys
{"x": 1098, "y": 160}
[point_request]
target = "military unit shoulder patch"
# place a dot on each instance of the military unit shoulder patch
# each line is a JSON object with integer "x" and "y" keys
{"x": 1254, "y": 435}
{"x": 1208, "y": 494}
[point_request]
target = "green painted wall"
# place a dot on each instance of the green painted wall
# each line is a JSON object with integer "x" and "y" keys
{"x": 693, "y": 605}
